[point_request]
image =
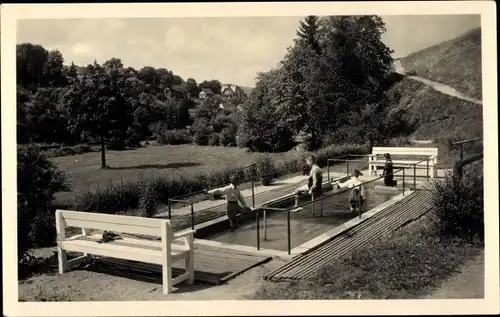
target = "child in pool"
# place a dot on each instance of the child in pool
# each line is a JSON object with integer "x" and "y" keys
{"x": 313, "y": 186}
{"x": 234, "y": 199}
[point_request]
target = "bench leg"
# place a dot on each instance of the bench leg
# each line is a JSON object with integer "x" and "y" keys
{"x": 62, "y": 260}
{"x": 167, "y": 279}
{"x": 190, "y": 267}
{"x": 190, "y": 259}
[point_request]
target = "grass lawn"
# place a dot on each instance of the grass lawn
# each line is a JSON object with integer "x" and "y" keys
{"x": 411, "y": 263}
{"x": 152, "y": 161}
{"x": 456, "y": 63}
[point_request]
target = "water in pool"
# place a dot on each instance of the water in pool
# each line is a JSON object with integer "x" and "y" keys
{"x": 304, "y": 226}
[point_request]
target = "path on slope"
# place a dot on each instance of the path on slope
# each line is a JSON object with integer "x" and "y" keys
{"x": 442, "y": 88}
{"x": 467, "y": 284}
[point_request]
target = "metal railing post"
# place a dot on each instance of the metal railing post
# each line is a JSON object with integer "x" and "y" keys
{"x": 258, "y": 229}
{"x": 427, "y": 169}
{"x": 414, "y": 176}
{"x": 288, "y": 232}
{"x": 404, "y": 181}
{"x": 253, "y": 193}
{"x": 347, "y": 167}
{"x": 169, "y": 209}
{"x": 328, "y": 169}
{"x": 265, "y": 224}
{"x": 192, "y": 215}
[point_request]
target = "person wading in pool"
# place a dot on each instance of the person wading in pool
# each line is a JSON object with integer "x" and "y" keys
{"x": 313, "y": 186}
{"x": 388, "y": 170}
{"x": 357, "y": 195}
{"x": 233, "y": 198}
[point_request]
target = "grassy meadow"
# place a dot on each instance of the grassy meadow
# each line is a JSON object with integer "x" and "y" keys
{"x": 173, "y": 161}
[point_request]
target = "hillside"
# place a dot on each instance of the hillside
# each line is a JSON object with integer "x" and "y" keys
{"x": 436, "y": 115}
{"x": 456, "y": 63}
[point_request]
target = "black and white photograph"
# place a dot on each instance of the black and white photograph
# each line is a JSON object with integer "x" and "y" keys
{"x": 250, "y": 154}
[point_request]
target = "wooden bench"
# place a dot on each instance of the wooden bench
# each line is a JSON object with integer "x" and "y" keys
{"x": 376, "y": 158}
{"x": 171, "y": 248}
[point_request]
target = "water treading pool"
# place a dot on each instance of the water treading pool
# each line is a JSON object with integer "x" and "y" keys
{"x": 304, "y": 226}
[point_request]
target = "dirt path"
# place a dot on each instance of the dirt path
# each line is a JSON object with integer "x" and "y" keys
{"x": 442, "y": 88}
{"x": 467, "y": 284}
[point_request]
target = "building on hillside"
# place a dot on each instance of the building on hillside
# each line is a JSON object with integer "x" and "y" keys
{"x": 205, "y": 92}
{"x": 233, "y": 93}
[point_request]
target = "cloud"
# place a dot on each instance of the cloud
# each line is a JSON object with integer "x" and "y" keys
{"x": 82, "y": 49}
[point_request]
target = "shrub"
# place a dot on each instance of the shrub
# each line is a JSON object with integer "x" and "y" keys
{"x": 174, "y": 137}
{"x": 149, "y": 200}
{"x": 201, "y": 130}
{"x": 459, "y": 204}
{"x": 37, "y": 181}
{"x": 213, "y": 139}
{"x": 70, "y": 150}
{"x": 266, "y": 168}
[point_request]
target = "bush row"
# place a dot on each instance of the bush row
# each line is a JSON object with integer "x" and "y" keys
{"x": 146, "y": 195}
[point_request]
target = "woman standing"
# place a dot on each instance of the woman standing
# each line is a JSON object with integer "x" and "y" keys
{"x": 388, "y": 171}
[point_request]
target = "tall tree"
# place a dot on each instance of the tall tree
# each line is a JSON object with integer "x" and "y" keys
{"x": 53, "y": 69}
{"x": 30, "y": 62}
{"x": 72, "y": 72}
{"x": 213, "y": 85}
{"x": 192, "y": 87}
{"x": 308, "y": 30}
{"x": 113, "y": 63}
{"x": 98, "y": 105}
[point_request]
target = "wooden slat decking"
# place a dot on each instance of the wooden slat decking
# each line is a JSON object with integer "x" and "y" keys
{"x": 212, "y": 265}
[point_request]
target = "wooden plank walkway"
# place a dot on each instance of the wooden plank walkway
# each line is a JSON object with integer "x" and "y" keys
{"x": 395, "y": 216}
{"x": 213, "y": 265}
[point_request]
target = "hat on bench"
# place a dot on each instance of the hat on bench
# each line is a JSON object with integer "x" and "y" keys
{"x": 387, "y": 155}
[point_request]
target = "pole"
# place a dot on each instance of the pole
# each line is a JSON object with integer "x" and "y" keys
{"x": 427, "y": 169}
{"x": 404, "y": 181}
{"x": 414, "y": 176}
{"x": 253, "y": 193}
{"x": 461, "y": 151}
{"x": 312, "y": 203}
{"x": 265, "y": 225}
{"x": 288, "y": 229}
{"x": 347, "y": 166}
{"x": 258, "y": 229}
{"x": 328, "y": 169}
{"x": 192, "y": 215}
{"x": 169, "y": 209}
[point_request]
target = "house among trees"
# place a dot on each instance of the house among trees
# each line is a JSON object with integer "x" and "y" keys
{"x": 205, "y": 92}
{"x": 233, "y": 93}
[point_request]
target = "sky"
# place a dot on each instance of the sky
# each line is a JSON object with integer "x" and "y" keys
{"x": 232, "y": 50}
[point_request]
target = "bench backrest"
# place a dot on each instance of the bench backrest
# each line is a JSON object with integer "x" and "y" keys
{"x": 427, "y": 151}
{"x": 115, "y": 223}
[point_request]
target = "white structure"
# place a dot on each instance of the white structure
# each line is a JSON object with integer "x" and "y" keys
{"x": 163, "y": 252}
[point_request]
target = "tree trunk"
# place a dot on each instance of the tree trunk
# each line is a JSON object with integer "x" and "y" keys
{"x": 103, "y": 153}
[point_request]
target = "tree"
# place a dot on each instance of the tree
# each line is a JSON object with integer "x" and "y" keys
{"x": 98, "y": 105}
{"x": 307, "y": 32}
{"x": 213, "y": 85}
{"x": 53, "y": 70}
{"x": 260, "y": 127}
{"x": 30, "y": 64}
{"x": 183, "y": 116}
{"x": 113, "y": 63}
{"x": 72, "y": 72}
{"x": 192, "y": 87}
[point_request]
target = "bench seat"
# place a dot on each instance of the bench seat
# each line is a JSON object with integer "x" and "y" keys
{"x": 430, "y": 161}
{"x": 147, "y": 251}
{"x": 172, "y": 247}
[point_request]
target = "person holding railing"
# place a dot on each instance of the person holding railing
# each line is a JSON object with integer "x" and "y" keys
{"x": 357, "y": 195}
{"x": 234, "y": 198}
{"x": 314, "y": 184}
